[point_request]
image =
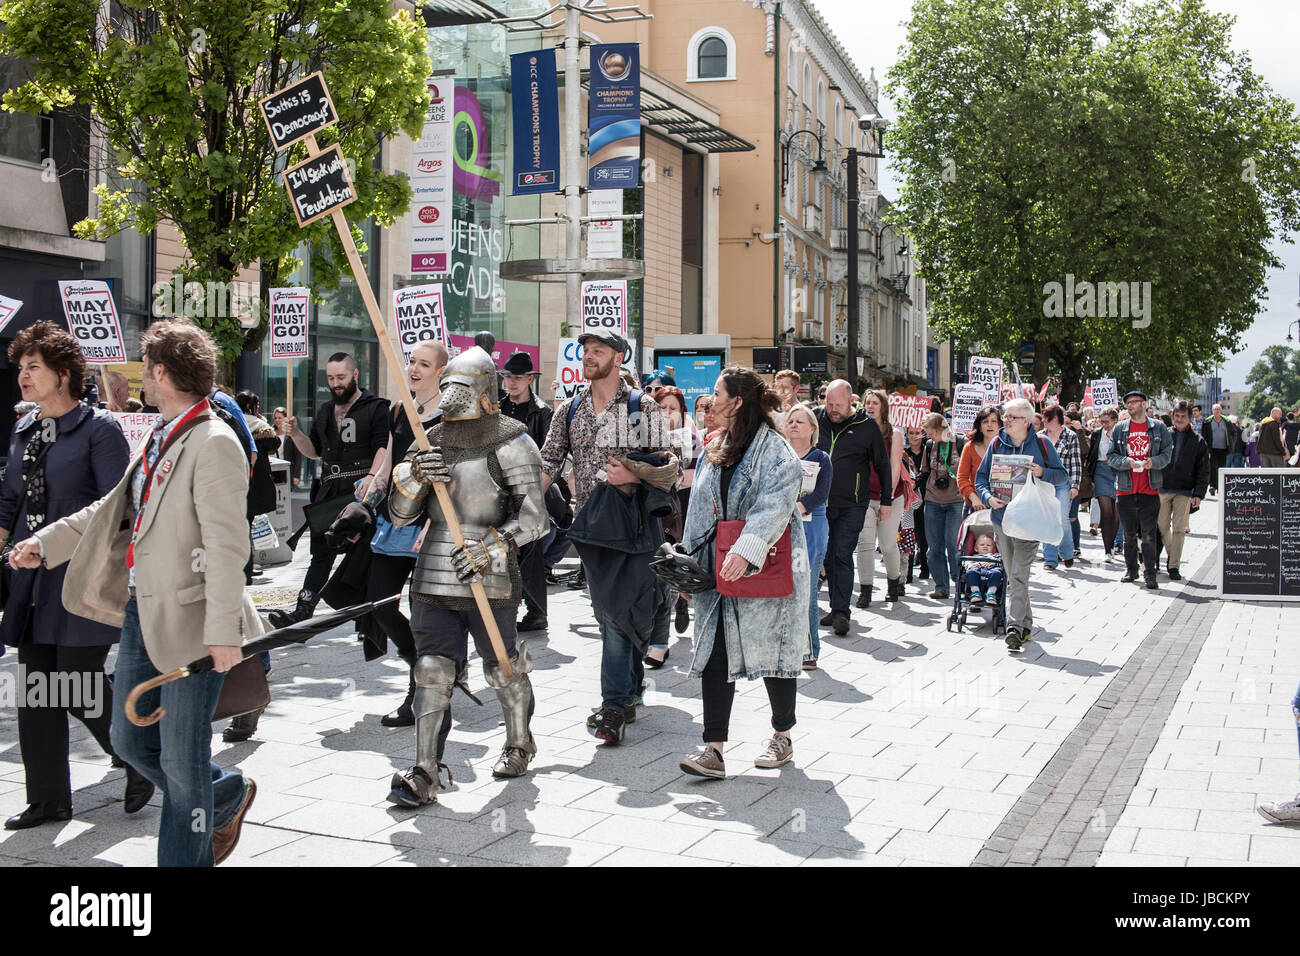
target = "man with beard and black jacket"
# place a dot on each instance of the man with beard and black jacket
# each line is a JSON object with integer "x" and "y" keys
{"x": 523, "y": 405}
{"x": 350, "y": 437}
{"x": 856, "y": 448}
{"x": 1185, "y": 480}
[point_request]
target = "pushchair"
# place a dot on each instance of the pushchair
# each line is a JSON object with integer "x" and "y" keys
{"x": 973, "y": 525}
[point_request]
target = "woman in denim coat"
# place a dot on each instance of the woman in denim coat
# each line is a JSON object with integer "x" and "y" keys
{"x": 748, "y": 473}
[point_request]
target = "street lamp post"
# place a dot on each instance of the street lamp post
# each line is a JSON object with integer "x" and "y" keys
{"x": 874, "y": 125}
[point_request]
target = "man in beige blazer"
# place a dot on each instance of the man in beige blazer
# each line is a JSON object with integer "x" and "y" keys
{"x": 162, "y": 556}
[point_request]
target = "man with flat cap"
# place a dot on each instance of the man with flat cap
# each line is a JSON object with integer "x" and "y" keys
{"x": 1140, "y": 450}
{"x": 522, "y": 404}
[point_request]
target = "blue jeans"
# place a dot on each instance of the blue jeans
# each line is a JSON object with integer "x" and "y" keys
{"x": 844, "y": 525}
{"x": 988, "y": 580}
{"x": 1064, "y": 550}
{"x": 1295, "y": 712}
{"x": 175, "y": 754}
{"x": 1236, "y": 461}
{"x": 816, "y": 533}
{"x": 942, "y": 524}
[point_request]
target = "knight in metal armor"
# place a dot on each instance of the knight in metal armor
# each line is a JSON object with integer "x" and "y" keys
{"x": 492, "y": 472}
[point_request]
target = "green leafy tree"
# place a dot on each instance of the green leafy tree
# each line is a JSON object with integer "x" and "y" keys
{"x": 173, "y": 85}
{"x": 1044, "y": 138}
{"x": 1273, "y": 380}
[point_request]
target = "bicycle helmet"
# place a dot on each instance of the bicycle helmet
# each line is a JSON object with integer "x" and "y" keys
{"x": 680, "y": 571}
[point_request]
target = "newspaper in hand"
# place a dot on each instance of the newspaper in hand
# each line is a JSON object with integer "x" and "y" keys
{"x": 809, "y": 482}
{"x": 1007, "y": 475}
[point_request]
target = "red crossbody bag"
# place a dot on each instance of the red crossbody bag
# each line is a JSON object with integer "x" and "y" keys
{"x": 774, "y": 580}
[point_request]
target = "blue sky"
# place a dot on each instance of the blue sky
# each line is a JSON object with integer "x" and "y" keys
{"x": 1266, "y": 29}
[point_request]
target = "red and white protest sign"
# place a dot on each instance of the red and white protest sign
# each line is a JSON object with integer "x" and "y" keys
{"x": 92, "y": 320}
{"x": 420, "y": 316}
{"x": 908, "y": 411}
{"x": 8, "y": 309}
{"x": 289, "y": 322}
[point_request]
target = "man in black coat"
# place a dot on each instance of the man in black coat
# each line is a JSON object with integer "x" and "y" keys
{"x": 856, "y": 447}
{"x": 1185, "y": 480}
{"x": 350, "y": 437}
{"x": 1220, "y": 435}
{"x": 523, "y": 405}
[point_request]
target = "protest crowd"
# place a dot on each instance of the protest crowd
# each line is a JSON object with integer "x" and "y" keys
{"x": 749, "y": 514}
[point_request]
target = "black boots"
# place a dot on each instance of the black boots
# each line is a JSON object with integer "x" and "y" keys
{"x": 242, "y": 727}
{"x": 403, "y": 716}
{"x": 895, "y": 592}
{"x": 138, "y": 791}
{"x": 304, "y": 609}
{"x": 864, "y": 596}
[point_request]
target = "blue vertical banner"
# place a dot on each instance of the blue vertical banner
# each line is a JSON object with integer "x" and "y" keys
{"x": 534, "y": 92}
{"x": 614, "y": 117}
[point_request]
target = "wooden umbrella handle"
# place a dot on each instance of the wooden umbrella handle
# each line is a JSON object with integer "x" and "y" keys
{"x": 149, "y": 685}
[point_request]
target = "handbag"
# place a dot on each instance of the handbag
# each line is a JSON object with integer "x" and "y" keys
{"x": 393, "y": 541}
{"x": 775, "y": 579}
{"x": 244, "y": 689}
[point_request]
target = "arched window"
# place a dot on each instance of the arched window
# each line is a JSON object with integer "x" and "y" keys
{"x": 711, "y": 55}
{"x": 806, "y": 90}
{"x": 821, "y": 102}
{"x": 792, "y": 69}
{"x": 839, "y": 122}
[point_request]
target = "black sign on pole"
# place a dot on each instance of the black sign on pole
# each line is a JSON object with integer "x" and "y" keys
{"x": 319, "y": 185}
{"x": 297, "y": 111}
{"x": 811, "y": 359}
{"x": 767, "y": 360}
{"x": 1259, "y": 533}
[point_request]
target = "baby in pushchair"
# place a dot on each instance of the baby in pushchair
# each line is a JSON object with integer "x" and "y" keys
{"x": 984, "y": 578}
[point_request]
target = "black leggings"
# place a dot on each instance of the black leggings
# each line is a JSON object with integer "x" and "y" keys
{"x": 1109, "y": 520}
{"x": 718, "y": 692}
{"x": 387, "y": 577}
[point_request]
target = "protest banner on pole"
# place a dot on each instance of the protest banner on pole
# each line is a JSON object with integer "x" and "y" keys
{"x": 967, "y": 400}
{"x": 1105, "y": 391}
{"x": 92, "y": 320}
{"x": 987, "y": 373}
{"x": 327, "y": 197}
{"x": 908, "y": 411}
{"x": 604, "y": 306}
{"x": 8, "y": 309}
{"x": 420, "y": 316}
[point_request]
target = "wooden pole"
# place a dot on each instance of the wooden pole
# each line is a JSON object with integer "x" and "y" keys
{"x": 394, "y": 363}
{"x": 288, "y": 387}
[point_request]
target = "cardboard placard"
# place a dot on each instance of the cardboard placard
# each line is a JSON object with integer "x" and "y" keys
{"x": 289, "y": 317}
{"x": 92, "y": 320}
{"x": 319, "y": 185}
{"x": 604, "y": 306}
{"x": 8, "y": 309}
{"x": 987, "y": 373}
{"x": 967, "y": 400}
{"x": 569, "y": 367}
{"x": 908, "y": 411}
{"x": 1105, "y": 391}
{"x": 297, "y": 111}
{"x": 420, "y": 316}
{"x": 136, "y": 426}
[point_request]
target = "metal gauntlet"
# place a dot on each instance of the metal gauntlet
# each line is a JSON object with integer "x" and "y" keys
{"x": 478, "y": 554}
{"x": 429, "y": 466}
{"x": 406, "y": 500}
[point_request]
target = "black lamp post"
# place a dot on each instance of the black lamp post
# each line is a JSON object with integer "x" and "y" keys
{"x": 1294, "y": 325}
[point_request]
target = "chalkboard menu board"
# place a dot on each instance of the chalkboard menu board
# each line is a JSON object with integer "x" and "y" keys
{"x": 1259, "y": 533}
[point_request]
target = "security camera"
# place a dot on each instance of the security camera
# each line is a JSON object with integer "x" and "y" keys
{"x": 867, "y": 121}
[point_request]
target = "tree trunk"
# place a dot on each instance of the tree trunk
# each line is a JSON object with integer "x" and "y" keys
{"x": 1042, "y": 358}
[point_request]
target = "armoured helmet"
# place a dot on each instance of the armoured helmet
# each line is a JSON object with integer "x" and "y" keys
{"x": 467, "y": 377}
{"x": 680, "y": 571}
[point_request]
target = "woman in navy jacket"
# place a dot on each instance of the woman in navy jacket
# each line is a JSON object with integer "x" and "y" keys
{"x": 63, "y": 456}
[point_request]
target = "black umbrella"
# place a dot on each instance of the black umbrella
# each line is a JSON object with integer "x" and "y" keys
{"x": 298, "y": 633}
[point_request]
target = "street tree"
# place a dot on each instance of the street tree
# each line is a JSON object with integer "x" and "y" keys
{"x": 1273, "y": 380}
{"x": 1099, "y": 179}
{"x": 173, "y": 87}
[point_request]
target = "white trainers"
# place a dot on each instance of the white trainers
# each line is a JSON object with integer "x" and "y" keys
{"x": 1288, "y": 812}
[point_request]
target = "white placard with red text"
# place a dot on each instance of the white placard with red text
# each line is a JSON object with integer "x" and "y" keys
{"x": 92, "y": 320}
{"x": 8, "y": 309}
{"x": 289, "y": 322}
{"x": 908, "y": 411}
{"x": 136, "y": 426}
{"x": 420, "y": 316}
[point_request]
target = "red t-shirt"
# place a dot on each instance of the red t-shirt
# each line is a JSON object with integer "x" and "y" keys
{"x": 1139, "y": 449}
